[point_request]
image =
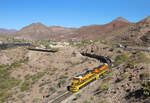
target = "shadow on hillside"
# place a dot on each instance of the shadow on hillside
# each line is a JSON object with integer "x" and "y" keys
{"x": 136, "y": 94}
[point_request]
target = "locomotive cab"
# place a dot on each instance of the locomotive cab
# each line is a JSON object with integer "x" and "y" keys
{"x": 75, "y": 83}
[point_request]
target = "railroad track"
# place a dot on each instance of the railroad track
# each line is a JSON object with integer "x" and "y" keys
{"x": 62, "y": 97}
{"x": 59, "y": 98}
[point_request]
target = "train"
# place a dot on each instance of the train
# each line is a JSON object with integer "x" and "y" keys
{"x": 81, "y": 80}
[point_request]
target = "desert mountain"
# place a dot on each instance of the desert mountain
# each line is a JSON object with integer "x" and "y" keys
{"x": 38, "y": 31}
{"x": 97, "y": 31}
{"x": 7, "y": 31}
{"x": 135, "y": 33}
{"x": 35, "y": 31}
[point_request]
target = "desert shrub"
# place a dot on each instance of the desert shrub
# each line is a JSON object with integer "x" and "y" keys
{"x": 48, "y": 46}
{"x": 4, "y": 95}
{"x": 106, "y": 74}
{"x": 124, "y": 75}
{"x": 31, "y": 79}
{"x": 140, "y": 58}
{"x": 4, "y": 73}
{"x": 15, "y": 64}
{"x": 52, "y": 90}
{"x": 146, "y": 88}
{"x": 92, "y": 98}
{"x": 26, "y": 85}
{"x": 48, "y": 70}
{"x": 112, "y": 48}
{"x": 61, "y": 83}
{"x": 37, "y": 76}
{"x": 63, "y": 77}
{"x": 41, "y": 89}
{"x": 55, "y": 49}
{"x": 21, "y": 96}
{"x": 130, "y": 64}
{"x": 44, "y": 83}
{"x": 86, "y": 101}
{"x": 6, "y": 82}
{"x": 120, "y": 59}
{"x": 36, "y": 100}
{"x": 18, "y": 63}
{"x": 27, "y": 77}
{"x": 82, "y": 43}
{"x": 73, "y": 54}
{"x": 26, "y": 60}
{"x": 9, "y": 83}
{"x": 105, "y": 86}
{"x": 145, "y": 76}
{"x": 78, "y": 95}
{"x": 74, "y": 63}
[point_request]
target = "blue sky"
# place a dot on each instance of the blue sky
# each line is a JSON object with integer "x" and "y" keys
{"x": 69, "y": 13}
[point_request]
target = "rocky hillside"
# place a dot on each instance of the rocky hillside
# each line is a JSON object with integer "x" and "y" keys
{"x": 34, "y": 76}
{"x": 38, "y": 31}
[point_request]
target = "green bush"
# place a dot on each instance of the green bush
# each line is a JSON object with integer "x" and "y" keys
{"x": 21, "y": 96}
{"x": 18, "y": 63}
{"x": 78, "y": 96}
{"x": 120, "y": 59}
{"x": 52, "y": 89}
{"x": 130, "y": 64}
{"x": 44, "y": 83}
{"x": 145, "y": 76}
{"x": 92, "y": 98}
{"x": 73, "y": 54}
{"x": 27, "y": 77}
{"x": 26, "y": 85}
{"x": 55, "y": 49}
{"x": 124, "y": 75}
{"x": 63, "y": 77}
{"x": 36, "y": 100}
{"x": 146, "y": 88}
{"x": 37, "y": 76}
{"x": 41, "y": 89}
{"x": 61, "y": 83}
{"x": 75, "y": 63}
{"x": 140, "y": 58}
{"x": 6, "y": 82}
{"x": 9, "y": 83}
{"x": 4, "y": 95}
{"x": 105, "y": 86}
{"x": 48, "y": 70}
{"x": 86, "y": 101}
{"x": 4, "y": 73}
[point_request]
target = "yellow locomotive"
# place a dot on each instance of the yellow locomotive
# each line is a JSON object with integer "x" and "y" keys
{"x": 84, "y": 79}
